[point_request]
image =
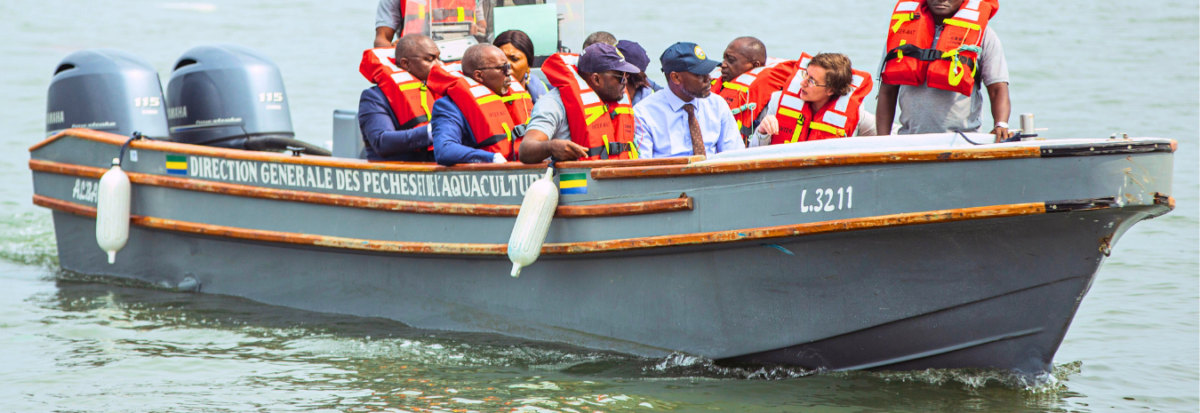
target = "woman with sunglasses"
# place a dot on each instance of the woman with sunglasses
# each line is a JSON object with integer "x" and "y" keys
{"x": 518, "y": 49}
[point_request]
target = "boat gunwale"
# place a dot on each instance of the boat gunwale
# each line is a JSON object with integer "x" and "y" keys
{"x": 618, "y": 245}
{"x": 226, "y": 153}
{"x": 876, "y": 158}
{"x": 650, "y": 168}
{"x": 682, "y": 203}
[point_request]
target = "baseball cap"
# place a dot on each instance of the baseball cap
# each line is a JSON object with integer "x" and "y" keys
{"x": 687, "y": 57}
{"x": 634, "y": 53}
{"x": 602, "y": 57}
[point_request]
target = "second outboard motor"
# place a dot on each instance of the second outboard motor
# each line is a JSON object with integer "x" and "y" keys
{"x": 106, "y": 90}
{"x": 232, "y": 97}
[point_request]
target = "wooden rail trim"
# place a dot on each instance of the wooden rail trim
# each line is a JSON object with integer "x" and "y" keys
{"x": 182, "y": 148}
{"x": 572, "y": 248}
{"x": 416, "y": 207}
{"x": 818, "y": 161}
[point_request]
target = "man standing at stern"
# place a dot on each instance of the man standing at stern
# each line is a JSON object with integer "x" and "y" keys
{"x": 940, "y": 53}
{"x": 689, "y": 120}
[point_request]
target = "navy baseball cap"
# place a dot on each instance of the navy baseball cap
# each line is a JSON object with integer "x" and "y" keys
{"x": 634, "y": 53}
{"x": 687, "y": 57}
{"x": 602, "y": 57}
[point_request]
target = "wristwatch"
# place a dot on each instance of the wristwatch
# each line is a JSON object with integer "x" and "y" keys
{"x": 1002, "y": 125}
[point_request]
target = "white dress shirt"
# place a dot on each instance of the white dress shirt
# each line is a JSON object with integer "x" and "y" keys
{"x": 662, "y": 129}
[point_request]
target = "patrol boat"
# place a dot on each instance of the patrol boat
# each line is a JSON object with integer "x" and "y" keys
{"x": 865, "y": 253}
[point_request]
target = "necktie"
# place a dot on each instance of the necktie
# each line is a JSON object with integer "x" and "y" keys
{"x": 694, "y": 126}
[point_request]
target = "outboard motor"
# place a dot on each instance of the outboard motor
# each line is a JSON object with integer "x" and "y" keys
{"x": 107, "y": 90}
{"x": 232, "y": 97}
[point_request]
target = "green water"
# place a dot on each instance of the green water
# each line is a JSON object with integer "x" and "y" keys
{"x": 69, "y": 343}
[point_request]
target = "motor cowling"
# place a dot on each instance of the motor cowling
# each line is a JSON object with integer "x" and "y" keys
{"x": 107, "y": 90}
{"x": 230, "y": 96}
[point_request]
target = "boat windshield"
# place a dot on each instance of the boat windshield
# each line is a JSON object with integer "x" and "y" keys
{"x": 553, "y": 25}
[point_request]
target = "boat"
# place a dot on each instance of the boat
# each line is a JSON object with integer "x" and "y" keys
{"x": 876, "y": 253}
{"x": 864, "y": 253}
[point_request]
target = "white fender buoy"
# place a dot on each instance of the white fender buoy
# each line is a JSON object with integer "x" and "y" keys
{"x": 533, "y": 222}
{"x": 112, "y": 211}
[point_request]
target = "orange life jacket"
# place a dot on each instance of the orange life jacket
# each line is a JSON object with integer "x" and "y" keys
{"x": 416, "y": 13}
{"x": 605, "y": 128}
{"x": 409, "y": 98}
{"x": 739, "y": 92}
{"x": 799, "y": 121}
{"x": 914, "y": 60}
{"x": 486, "y": 113}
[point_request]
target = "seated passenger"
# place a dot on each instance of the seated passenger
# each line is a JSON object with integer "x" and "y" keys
{"x": 689, "y": 120}
{"x": 821, "y": 102}
{"x": 394, "y": 114}
{"x": 638, "y": 86}
{"x": 589, "y": 121}
{"x": 518, "y": 47}
{"x": 748, "y": 77}
{"x": 599, "y": 37}
{"x": 474, "y": 121}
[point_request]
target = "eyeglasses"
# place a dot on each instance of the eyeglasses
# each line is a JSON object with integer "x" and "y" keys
{"x": 623, "y": 76}
{"x": 809, "y": 80}
{"x": 504, "y": 68}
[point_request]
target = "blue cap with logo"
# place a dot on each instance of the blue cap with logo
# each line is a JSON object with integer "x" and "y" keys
{"x": 687, "y": 57}
{"x": 602, "y": 57}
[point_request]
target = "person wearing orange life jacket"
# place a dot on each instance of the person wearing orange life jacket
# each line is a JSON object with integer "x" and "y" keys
{"x": 823, "y": 101}
{"x": 397, "y": 18}
{"x": 940, "y": 54}
{"x": 394, "y": 114}
{"x": 472, "y": 123}
{"x": 746, "y": 67}
{"x": 589, "y": 120}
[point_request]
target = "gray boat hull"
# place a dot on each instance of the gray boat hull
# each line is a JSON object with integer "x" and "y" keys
{"x": 989, "y": 290}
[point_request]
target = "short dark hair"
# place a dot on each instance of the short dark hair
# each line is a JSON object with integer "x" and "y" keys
{"x": 754, "y": 48}
{"x": 472, "y": 59}
{"x": 408, "y": 45}
{"x": 517, "y": 39}
{"x": 600, "y": 37}
{"x": 838, "y": 76}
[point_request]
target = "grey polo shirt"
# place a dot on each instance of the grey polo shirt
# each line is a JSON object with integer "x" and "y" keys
{"x": 549, "y": 116}
{"x": 388, "y": 14}
{"x": 927, "y": 110}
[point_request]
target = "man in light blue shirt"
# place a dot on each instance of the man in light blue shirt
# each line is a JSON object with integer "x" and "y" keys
{"x": 688, "y": 119}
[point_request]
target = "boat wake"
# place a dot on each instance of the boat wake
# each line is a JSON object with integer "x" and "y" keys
{"x": 28, "y": 238}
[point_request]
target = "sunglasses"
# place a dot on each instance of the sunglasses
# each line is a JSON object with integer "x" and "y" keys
{"x": 504, "y": 68}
